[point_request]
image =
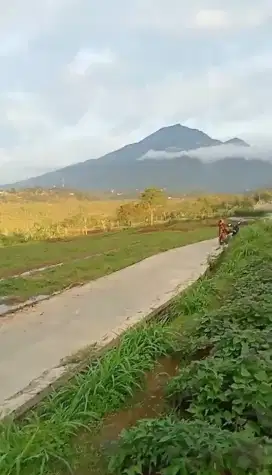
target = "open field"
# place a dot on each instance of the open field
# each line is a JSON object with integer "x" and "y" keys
{"x": 47, "y": 214}
{"x": 86, "y": 258}
{"x": 212, "y": 416}
{"x": 17, "y": 215}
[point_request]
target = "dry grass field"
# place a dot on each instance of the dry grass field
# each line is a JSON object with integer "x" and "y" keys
{"x": 23, "y": 211}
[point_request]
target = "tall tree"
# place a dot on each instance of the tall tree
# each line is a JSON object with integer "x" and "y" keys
{"x": 152, "y": 199}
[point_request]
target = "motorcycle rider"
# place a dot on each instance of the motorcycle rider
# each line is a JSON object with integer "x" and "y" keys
{"x": 223, "y": 232}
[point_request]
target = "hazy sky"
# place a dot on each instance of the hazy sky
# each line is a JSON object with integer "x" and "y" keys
{"x": 83, "y": 77}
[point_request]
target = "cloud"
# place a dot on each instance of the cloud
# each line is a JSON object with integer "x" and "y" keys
{"x": 22, "y": 22}
{"x": 216, "y": 19}
{"x": 86, "y": 59}
{"x": 211, "y": 154}
{"x": 79, "y": 79}
{"x": 212, "y": 19}
{"x": 177, "y": 17}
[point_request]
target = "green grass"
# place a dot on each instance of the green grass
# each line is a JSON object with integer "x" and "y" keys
{"x": 114, "y": 251}
{"x": 34, "y": 254}
{"x": 213, "y": 289}
{"x": 41, "y": 442}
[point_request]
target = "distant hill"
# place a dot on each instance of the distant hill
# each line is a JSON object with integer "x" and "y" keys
{"x": 236, "y": 141}
{"x": 125, "y": 169}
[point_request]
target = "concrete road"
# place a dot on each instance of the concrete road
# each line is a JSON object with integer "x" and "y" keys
{"x": 33, "y": 341}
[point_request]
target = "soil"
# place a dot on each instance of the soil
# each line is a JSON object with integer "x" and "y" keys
{"x": 146, "y": 404}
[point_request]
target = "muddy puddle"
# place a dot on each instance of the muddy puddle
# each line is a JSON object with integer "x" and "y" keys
{"x": 146, "y": 404}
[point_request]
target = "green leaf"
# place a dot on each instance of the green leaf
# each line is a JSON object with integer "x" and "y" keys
{"x": 244, "y": 372}
{"x": 172, "y": 470}
{"x": 134, "y": 470}
{"x": 261, "y": 376}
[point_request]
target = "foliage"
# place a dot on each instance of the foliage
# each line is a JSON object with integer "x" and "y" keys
{"x": 172, "y": 447}
{"x": 234, "y": 321}
{"x": 151, "y": 199}
{"x": 231, "y": 386}
{"x": 228, "y": 392}
{"x": 153, "y": 196}
{"x": 249, "y": 212}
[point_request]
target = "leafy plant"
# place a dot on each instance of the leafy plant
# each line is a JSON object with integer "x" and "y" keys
{"x": 228, "y": 392}
{"x": 172, "y": 447}
{"x": 231, "y": 322}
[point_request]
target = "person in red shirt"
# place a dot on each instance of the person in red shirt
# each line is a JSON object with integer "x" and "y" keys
{"x": 222, "y": 232}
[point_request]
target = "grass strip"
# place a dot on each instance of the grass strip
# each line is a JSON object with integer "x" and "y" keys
{"x": 21, "y": 257}
{"x": 77, "y": 273}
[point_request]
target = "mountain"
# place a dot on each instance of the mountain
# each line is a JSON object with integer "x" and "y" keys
{"x": 236, "y": 141}
{"x": 131, "y": 167}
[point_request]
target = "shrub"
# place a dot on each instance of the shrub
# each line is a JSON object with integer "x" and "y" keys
{"x": 171, "y": 447}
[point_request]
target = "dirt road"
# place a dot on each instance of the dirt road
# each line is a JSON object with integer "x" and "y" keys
{"x": 34, "y": 341}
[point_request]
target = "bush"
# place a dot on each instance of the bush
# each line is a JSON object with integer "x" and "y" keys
{"x": 249, "y": 212}
{"x": 172, "y": 447}
{"x": 229, "y": 392}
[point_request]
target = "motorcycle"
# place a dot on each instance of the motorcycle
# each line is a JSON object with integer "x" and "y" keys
{"x": 234, "y": 229}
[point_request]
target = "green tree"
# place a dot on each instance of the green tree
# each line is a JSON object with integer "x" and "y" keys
{"x": 152, "y": 199}
{"x": 126, "y": 213}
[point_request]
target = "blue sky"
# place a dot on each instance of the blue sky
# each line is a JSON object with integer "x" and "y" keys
{"x": 80, "y": 78}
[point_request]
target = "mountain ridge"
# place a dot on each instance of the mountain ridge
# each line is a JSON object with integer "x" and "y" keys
{"x": 122, "y": 170}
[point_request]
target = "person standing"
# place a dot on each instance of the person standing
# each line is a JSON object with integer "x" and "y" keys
{"x": 222, "y": 232}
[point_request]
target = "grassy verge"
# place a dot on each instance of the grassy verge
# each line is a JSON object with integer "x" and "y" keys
{"x": 41, "y": 442}
{"x": 114, "y": 252}
{"x": 220, "y": 403}
{"x": 21, "y": 257}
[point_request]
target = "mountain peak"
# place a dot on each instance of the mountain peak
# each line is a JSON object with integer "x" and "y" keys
{"x": 178, "y": 136}
{"x": 237, "y": 141}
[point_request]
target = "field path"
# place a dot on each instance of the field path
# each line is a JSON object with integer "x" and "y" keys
{"x": 35, "y": 340}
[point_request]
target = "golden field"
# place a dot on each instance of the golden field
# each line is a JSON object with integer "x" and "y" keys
{"x": 41, "y": 214}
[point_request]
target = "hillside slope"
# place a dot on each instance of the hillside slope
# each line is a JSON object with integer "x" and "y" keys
{"x": 122, "y": 170}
